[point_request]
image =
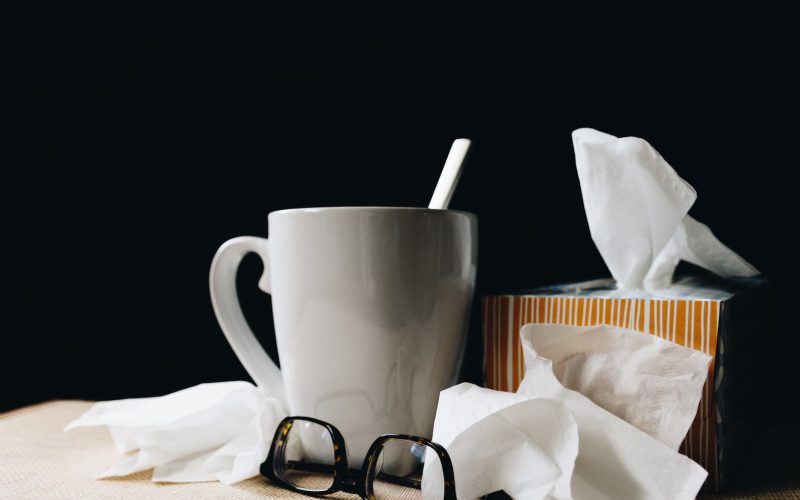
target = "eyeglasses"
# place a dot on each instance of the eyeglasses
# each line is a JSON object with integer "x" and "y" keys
{"x": 309, "y": 456}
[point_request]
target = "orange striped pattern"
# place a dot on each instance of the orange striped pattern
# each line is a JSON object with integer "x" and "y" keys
{"x": 691, "y": 323}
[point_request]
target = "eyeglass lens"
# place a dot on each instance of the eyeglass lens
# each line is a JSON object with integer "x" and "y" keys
{"x": 306, "y": 461}
{"x": 403, "y": 467}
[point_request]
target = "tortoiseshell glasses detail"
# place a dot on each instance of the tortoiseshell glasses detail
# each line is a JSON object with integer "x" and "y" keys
{"x": 310, "y": 456}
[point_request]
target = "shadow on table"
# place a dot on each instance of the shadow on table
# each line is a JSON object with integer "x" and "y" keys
{"x": 769, "y": 469}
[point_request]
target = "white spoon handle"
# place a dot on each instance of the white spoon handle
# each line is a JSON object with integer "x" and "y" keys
{"x": 450, "y": 174}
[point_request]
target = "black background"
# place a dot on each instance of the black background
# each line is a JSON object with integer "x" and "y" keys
{"x": 142, "y": 137}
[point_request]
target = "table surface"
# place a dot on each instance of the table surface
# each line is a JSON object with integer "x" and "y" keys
{"x": 40, "y": 461}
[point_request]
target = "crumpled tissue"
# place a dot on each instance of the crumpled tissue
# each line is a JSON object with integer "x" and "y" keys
{"x": 209, "y": 432}
{"x": 637, "y": 207}
{"x": 649, "y": 382}
{"x": 550, "y": 442}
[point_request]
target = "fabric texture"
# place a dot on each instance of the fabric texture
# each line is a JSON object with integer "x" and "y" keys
{"x": 38, "y": 460}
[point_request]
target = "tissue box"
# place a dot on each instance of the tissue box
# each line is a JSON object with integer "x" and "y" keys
{"x": 726, "y": 318}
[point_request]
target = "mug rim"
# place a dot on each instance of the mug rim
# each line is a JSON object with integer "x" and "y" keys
{"x": 353, "y": 208}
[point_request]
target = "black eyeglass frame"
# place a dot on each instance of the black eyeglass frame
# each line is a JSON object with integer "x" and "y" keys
{"x": 341, "y": 481}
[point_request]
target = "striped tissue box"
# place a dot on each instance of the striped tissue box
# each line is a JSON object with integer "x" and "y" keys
{"x": 704, "y": 313}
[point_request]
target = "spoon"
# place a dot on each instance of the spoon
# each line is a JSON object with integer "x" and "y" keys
{"x": 450, "y": 174}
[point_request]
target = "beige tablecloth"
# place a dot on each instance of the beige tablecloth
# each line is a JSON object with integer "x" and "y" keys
{"x": 39, "y": 461}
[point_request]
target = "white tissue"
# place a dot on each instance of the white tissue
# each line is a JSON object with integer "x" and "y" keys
{"x": 637, "y": 207}
{"x": 614, "y": 460}
{"x": 209, "y": 432}
{"x": 504, "y": 441}
{"x": 651, "y": 383}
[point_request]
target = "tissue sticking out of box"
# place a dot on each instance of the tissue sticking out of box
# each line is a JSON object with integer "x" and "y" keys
{"x": 637, "y": 207}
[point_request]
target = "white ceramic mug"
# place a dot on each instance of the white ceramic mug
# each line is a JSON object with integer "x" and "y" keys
{"x": 371, "y": 309}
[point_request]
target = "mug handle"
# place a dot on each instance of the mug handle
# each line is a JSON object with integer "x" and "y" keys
{"x": 222, "y": 284}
